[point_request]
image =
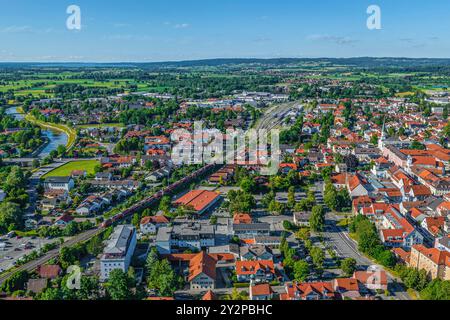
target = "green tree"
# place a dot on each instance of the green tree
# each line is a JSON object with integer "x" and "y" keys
{"x": 118, "y": 285}
{"x": 348, "y": 266}
{"x": 318, "y": 257}
{"x": 300, "y": 270}
{"x": 317, "y": 218}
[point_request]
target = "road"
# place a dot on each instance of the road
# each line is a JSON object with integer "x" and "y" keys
{"x": 348, "y": 248}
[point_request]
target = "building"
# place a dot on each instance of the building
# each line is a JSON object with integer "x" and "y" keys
{"x": 372, "y": 280}
{"x": 250, "y": 230}
{"x": 256, "y": 252}
{"x": 59, "y": 183}
{"x": 193, "y": 236}
{"x": 202, "y": 272}
{"x": 118, "y": 251}
{"x": 199, "y": 200}
{"x": 262, "y": 291}
{"x": 436, "y": 262}
{"x": 257, "y": 271}
{"x": 150, "y": 225}
{"x": 309, "y": 291}
{"x": 301, "y": 219}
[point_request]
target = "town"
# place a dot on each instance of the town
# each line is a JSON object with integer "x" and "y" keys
{"x": 94, "y": 207}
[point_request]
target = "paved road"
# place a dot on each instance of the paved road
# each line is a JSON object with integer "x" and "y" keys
{"x": 348, "y": 248}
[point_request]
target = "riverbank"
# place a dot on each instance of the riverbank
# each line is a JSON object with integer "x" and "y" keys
{"x": 71, "y": 133}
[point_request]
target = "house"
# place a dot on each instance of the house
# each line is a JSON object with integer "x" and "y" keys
{"x": 202, "y": 272}
{"x": 37, "y": 285}
{"x": 242, "y": 218}
{"x": 118, "y": 251}
{"x": 309, "y": 291}
{"x": 250, "y": 230}
{"x": 397, "y": 231}
{"x": 261, "y": 291}
{"x": 301, "y": 219}
{"x": 372, "y": 280}
{"x": 63, "y": 220}
{"x": 434, "y": 225}
{"x": 49, "y": 271}
{"x": 103, "y": 176}
{"x": 193, "y": 236}
{"x": 59, "y": 183}
{"x": 209, "y": 296}
{"x": 256, "y": 252}
{"x": 346, "y": 288}
{"x": 434, "y": 261}
{"x": 257, "y": 271}
{"x": 150, "y": 225}
{"x": 158, "y": 175}
{"x": 199, "y": 200}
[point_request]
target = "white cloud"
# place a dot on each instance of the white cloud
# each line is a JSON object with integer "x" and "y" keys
{"x": 182, "y": 26}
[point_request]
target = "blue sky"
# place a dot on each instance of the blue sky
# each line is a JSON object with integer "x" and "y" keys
{"x": 160, "y": 30}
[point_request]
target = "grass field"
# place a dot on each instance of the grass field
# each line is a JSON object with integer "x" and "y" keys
{"x": 66, "y": 170}
{"x": 101, "y": 125}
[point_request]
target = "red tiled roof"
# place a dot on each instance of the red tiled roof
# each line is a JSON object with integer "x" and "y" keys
{"x": 250, "y": 267}
{"x": 197, "y": 199}
{"x": 49, "y": 271}
{"x": 263, "y": 289}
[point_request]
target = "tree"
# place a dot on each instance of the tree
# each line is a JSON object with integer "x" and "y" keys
{"x": 303, "y": 234}
{"x": 276, "y": 207}
{"x": 89, "y": 289}
{"x": 236, "y": 295}
{"x": 348, "y": 266}
{"x": 10, "y": 216}
{"x": 291, "y": 198}
{"x": 248, "y": 185}
{"x": 318, "y": 257}
{"x": 300, "y": 270}
{"x": 161, "y": 276}
{"x": 164, "y": 204}
{"x": 15, "y": 282}
{"x": 117, "y": 285}
{"x": 317, "y": 218}
{"x": 287, "y": 225}
{"x": 436, "y": 290}
{"x": 135, "y": 221}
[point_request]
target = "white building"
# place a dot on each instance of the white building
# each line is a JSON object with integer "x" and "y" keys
{"x": 59, "y": 183}
{"x": 118, "y": 251}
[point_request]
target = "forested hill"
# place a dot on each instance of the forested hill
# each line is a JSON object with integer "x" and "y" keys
{"x": 360, "y": 62}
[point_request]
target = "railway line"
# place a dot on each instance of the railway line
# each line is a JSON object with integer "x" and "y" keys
{"x": 85, "y": 236}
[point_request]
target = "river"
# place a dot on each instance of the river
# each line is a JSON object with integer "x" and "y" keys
{"x": 55, "y": 138}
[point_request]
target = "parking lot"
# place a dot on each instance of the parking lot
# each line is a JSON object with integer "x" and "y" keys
{"x": 12, "y": 249}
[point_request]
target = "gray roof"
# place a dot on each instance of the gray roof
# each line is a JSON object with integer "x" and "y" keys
{"x": 119, "y": 240}
{"x": 164, "y": 233}
{"x": 58, "y": 179}
{"x": 251, "y": 226}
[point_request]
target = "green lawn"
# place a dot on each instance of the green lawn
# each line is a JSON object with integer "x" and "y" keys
{"x": 67, "y": 169}
{"x": 101, "y": 125}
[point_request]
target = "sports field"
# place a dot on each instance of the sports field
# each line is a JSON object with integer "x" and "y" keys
{"x": 66, "y": 170}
